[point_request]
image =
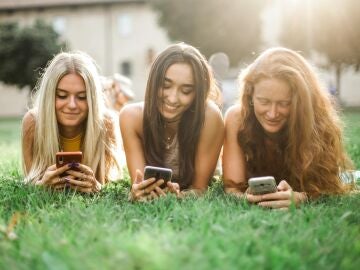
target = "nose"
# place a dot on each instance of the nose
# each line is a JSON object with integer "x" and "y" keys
{"x": 172, "y": 95}
{"x": 273, "y": 111}
{"x": 72, "y": 102}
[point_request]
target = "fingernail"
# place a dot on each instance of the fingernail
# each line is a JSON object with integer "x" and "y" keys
{"x": 74, "y": 164}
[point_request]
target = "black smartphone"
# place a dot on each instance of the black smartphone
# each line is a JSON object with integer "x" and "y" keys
{"x": 262, "y": 185}
{"x": 158, "y": 173}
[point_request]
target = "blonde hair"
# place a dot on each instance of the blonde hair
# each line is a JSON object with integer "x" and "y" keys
{"x": 312, "y": 139}
{"x": 101, "y": 134}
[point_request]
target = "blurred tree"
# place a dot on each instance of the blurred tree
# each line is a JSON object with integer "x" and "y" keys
{"x": 330, "y": 27}
{"x": 24, "y": 51}
{"x": 230, "y": 26}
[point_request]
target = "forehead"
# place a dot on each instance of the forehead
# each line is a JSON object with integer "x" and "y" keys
{"x": 180, "y": 72}
{"x": 72, "y": 82}
{"x": 272, "y": 88}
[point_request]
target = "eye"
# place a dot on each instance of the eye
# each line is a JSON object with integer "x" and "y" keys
{"x": 263, "y": 101}
{"x": 187, "y": 90}
{"x": 166, "y": 86}
{"x": 284, "y": 103}
{"x": 61, "y": 96}
{"x": 81, "y": 97}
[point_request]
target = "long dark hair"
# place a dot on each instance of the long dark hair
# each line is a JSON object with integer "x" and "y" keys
{"x": 192, "y": 119}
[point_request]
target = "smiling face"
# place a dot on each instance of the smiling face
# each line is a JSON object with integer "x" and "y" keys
{"x": 177, "y": 92}
{"x": 272, "y": 102}
{"x": 70, "y": 102}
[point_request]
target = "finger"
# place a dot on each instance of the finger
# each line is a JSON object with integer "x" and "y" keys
{"x": 153, "y": 195}
{"x": 78, "y": 174}
{"x": 253, "y": 198}
{"x": 146, "y": 183}
{"x": 52, "y": 167}
{"x": 159, "y": 191}
{"x": 84, "y": 168}
{"x": 280, "y": 195}
{"x": 173, "y": 187}
{"x": 139, "y": 177}
{"x": 275, "y": 204}
{"x": 283, "y": 186}
{"x": 78, "y": 183}
{"x": 59, "y": 180}
{"x": 62, "y": 169}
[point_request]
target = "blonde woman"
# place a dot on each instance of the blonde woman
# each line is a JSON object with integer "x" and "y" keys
{"x": 69, "y": 115}
{"x": 285, "y": 126}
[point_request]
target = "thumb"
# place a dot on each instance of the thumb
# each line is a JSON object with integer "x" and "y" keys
{"x": 283, "y": 186}
{"x": 139, "y": 176}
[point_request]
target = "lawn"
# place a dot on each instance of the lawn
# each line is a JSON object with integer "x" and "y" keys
{"x": 46, "y": 230}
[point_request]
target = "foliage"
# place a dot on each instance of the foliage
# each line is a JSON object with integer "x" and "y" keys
{"x": 230, "y": 26}
{"x": 40, "y": 229}
{"x": 25, "y": 50}
{"x": 328, "y": 27}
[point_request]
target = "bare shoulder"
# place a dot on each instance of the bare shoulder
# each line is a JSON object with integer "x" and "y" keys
{"x": 131, "y": 117}
{"x": 212, "y": 111}
{"x": 233, "y": 115}
{"x": 133, "y": 111}
{"x": 28, "y": 122}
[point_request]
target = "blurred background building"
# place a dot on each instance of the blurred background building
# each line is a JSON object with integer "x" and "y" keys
{"x": 121, "y": 35}
{"x": 124, "y": 36}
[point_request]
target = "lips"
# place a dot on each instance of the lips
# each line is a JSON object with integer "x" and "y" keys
{"x": 170, "y": 108}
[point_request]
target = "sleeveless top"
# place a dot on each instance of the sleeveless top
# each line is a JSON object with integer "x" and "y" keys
{"x": 171, "y": 159}
{"x": 71, "y": 144}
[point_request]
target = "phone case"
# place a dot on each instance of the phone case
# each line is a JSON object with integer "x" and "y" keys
{"x": 63, "y": 158}
{"x": 262, "y": 185}
{"x": 158, "y": 173}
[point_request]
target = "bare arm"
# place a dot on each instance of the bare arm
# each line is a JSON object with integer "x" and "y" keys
{"x": 234, "y": 167}
{"x": 131, "y": 121}
{"x": 209, "y": 146}
{"x": 28, "y": 129}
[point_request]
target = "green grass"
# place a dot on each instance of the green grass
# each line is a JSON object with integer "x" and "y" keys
{"x": 72, "y": 231}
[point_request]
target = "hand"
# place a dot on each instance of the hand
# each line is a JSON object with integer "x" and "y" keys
{"x": 52, "y": 178}
{"x": 279, "y": 200}
{"x": 83, "y": 180}
{"x": 143, "y": 190}
{"x": 173, "y": 188}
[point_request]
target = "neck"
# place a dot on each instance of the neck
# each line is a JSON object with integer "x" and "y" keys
{"x": 70, "y": 132}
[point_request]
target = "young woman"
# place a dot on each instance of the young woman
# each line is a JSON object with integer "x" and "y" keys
{"x": 285, "y": 126}
{"x": 69, "y": 115}
{"x": 177, "y": 126}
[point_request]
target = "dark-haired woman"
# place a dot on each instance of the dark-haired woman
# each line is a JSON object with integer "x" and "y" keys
{"x": 177, "y": 126}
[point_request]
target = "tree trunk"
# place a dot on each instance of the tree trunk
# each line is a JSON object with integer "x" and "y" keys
{"x": 338, "y": 71}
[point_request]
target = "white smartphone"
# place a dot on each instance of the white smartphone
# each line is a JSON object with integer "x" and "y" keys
{"x": 262, "y": 185}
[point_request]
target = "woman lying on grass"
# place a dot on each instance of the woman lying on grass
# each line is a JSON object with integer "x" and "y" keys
{"x": 177, "y": 126}
{"x": 286, "y": 127}
{"x": 69, "y": 115}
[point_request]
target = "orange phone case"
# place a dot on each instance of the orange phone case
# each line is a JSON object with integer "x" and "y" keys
{"x": 63, "y": 158}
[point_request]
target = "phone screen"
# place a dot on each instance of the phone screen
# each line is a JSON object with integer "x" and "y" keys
{"x": 158, "y": 173}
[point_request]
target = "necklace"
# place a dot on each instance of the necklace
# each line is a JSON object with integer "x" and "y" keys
{"x": 170, "y": 128}
{"x": 169, "y": 140}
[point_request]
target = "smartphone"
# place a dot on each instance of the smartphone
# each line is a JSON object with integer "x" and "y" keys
{"x": 64, "y": 158}
{"x": 262, "y": 185}
{"x": 158, "y": 173}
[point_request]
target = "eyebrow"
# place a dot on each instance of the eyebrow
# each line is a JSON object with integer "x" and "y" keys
{"x": 185, "y": 84}
{"x": 60, "y": 89}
